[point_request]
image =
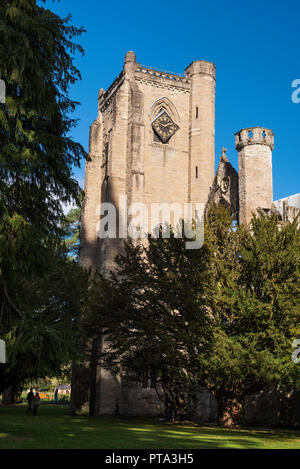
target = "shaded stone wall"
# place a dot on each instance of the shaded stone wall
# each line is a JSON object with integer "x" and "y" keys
{"x": 273, "y": 407}
{"x": 138, "y": 401}
{"x": 205, "y": 407}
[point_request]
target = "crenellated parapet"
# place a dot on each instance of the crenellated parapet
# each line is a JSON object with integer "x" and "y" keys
{"x": 105, "y": 97}
{"x": 254, "y": 136}
{"x": 155, "y": 72}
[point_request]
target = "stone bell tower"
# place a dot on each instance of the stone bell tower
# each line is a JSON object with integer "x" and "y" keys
{"x": 153, "y": 142}
{"x": 254, "y": 146}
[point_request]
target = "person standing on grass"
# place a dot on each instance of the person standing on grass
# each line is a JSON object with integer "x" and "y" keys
{"x": 36, "y": 403}
{"x": 56, "y": 396}
{"x": 117, "y": 409}
{"x": 30, "y": 397}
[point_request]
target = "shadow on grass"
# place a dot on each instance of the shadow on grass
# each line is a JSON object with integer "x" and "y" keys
{"x": 53, "y": 428}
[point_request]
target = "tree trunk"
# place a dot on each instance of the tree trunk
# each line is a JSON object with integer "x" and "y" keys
{"x": 229, "y": 410}
{"x": 80, "y": 383}
{"x": 80, "y": 387}
{"x": 84, "y": 386}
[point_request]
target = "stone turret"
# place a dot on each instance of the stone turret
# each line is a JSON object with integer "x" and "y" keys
{"x": 202, "y": 76}
{"x": 254, "y": 146}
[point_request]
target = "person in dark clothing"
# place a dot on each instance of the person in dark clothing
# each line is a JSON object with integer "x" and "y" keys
{"x": 36, "y": 403}
{"x": 56, "y": 396}
{"x": 30, "y": 397}
{"x": 117, "y": 409}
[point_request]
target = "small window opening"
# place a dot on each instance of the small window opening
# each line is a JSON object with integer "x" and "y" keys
{"x": 106, "y": 159}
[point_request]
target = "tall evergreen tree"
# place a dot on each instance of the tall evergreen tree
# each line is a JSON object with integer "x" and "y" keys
{"x": 222, "y": 317}
{"x": 36, "y": 152}
{"x": 37, "y": 156}
{"x": 253, "y": 293}
{"x": 43, "y": 339}
{"x": 152, "y": 311}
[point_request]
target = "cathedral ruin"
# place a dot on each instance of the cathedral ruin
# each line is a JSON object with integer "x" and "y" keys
{"x": 154, "y": 141}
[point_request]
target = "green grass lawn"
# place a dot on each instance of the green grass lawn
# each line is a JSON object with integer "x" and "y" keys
{"x": 53, "y": 428}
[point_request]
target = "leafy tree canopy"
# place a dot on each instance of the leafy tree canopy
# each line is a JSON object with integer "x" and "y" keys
{"x": 223, "y": 316}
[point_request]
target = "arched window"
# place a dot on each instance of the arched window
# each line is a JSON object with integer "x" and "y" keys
{"x": 164, "y": 120}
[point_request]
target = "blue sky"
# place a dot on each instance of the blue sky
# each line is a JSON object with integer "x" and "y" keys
{"x": 254, "y": 45}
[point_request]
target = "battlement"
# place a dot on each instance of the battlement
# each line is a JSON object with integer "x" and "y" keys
{"x": 104, "y": 97}
{"x": 156, "y": 72}
{"x": 254, "y": 136}
{"x": 131, "y": 67}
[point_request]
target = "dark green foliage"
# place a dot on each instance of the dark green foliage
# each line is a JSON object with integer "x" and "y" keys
{"x": 254, "y": 297}
{"x": 36, "y": 152}
{"x": 223, "y": 316}
{"x": 40, "y": 287}
{"x": 41, "y": 337}
{"x": 154, "y": 315}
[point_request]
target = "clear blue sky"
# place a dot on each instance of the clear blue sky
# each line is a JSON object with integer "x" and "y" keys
{"x": 254, "y": 44}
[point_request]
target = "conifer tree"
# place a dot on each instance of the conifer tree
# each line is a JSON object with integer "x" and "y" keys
{"x": 37, "y": 153}
{"x": 37, "y": 156}
{"x": 223, "y": 317}
{"x": 252, "y": 291}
